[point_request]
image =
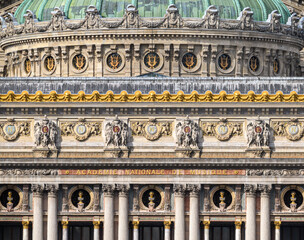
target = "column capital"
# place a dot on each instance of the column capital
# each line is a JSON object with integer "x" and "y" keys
{"x": 37, "y": 189}
{"x": 25, "y": 224}
{"x": 96, "y": 224}
{"x": 135, "y": 224}
{"x": 65, "y": 224}
{"x": 264, "y": 189}
{"x": 123, "y": 189}
{"x": 206, "y": 224}
{"x": 277, "y": 224}
{"x": 194, "y": 189}
{"x": 179, "y": 190}
{"x": 250, "y": 190}
{"x": 52, "y": 189}
{"x": 108, "y": 189}
{"x": 238, "y": 224}
{"x": 167, "y": 224}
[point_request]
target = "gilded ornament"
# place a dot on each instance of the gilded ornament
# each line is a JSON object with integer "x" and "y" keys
{"x": 114, "y": 61}
{"x": 222, "y": 130}
{"x": 79, "y": 62}
{"x": 152, "y": 60}
{"x": 224, "y": 61}
{"x": 189, "y": 60}
{"x": 27, "y": 66}
{"x": 276, "y": 66}
{"x": 49, "y": 63}
{"x": 81, "y": 130}
{"x": 152, "y": 130}
{"x": 254, "y": 63}
{"x": 11, "y": 130}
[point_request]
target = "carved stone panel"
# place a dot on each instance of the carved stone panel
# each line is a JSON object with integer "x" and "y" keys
{"x": 11, "y": 129}
{"x": 292, "y": 130}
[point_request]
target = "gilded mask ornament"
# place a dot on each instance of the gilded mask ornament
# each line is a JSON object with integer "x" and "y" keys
{"x": 79, "y": 62}
{"x": 152, "y": 130}
{"x": 152, "y": 60}
{"x": 292, "y": 130}
{"x": 114, "y": 61}
{"x": 81, "y": 130}
{"x": 189, "y": 60}
{"x": 222, "y": 130}
{"x": 11, "y": 129}
{"x": 224, "y": 61}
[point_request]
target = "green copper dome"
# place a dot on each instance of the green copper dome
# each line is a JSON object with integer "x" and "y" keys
{"x": 75, "y": 9}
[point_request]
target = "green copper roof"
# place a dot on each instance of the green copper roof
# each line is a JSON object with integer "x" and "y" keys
{"x": 75, "y": 9}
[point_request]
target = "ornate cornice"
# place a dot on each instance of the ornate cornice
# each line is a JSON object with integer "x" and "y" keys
{"x": 251, "y": 97}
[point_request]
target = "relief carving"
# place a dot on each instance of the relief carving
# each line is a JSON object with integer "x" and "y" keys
{"x": 292, "y": 130}
{"x": 274, "y": 20}
{"x": 92, "y": 19}
{"x": 246, "y": 19}
{"x": 187, "y": 133}
{"x": 152, "y": 130}
{"x": 211, "y": 18}
{"x": 172, "y": 18}
{"x": 81, "y": 130}
{"x": 131, "y": 17}
{"x": 116, "y": 133}
{"x": 222, "y": 130}
{"x": 58, "y": 20}
{"x": 29, "y": 19}
{"x": 33, "y": 172}
{"x": 11, "y": 130}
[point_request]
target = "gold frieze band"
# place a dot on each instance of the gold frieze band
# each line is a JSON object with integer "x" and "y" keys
{"x": 151, "y": 97}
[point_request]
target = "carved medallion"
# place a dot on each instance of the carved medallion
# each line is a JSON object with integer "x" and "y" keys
{"x": 81, "y": 130}
{"x": 11, "y": 130}
{"x": 152, "y": 130}
{"x": 222, "y": 130}
{"x": 114, "y": 61}
{"x": 79, "y": 62}
{"x": 292, "y": 130}
{"x": 152, "y": 60}
{"x": 49, "y": 63}
{"x": 27, "y": 66}
{"x": 189, "y": 60}
{"x": 254, "y": 64}
{"x": 224, "y": 61}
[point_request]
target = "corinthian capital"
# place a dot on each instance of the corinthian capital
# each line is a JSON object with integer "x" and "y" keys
{"x": 52, "y": 189}
{"x": 123, "y": 189}
{"x": 37, "y": 189}
{"x": 250, "y": 189}
{"x": 194, "y": 189}
{"x": 179, "y": 189}
{"x": 264, "y": 189}
{"x": 108, "y": 189}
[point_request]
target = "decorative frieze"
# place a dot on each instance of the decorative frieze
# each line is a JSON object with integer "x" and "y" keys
{"x": 275, "y": 172}
{"x": 25, "y": 172}
{"x": 81, "y": 130}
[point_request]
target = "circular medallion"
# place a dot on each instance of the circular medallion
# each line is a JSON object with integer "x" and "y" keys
{"x": 152, "y": 60}
{"x": 222, "y": 195}
{"x": 151, "y": 196}
{"x": 79, "y": 62}
{"x": 189, "y": 60}
{"x": 114, "y": 61}
{"x": 254, "y": 64}
{"x": 187, "y": 129}
{"x": 27, "y": 66}
{"x": 45, "y": 129}
{"x": 81, "y": 195}
{"x": 49, "y": 63}
{"x": 10, "y": 129}
{"x": 293, "y": 195}
{"x": 81, "y": 129}
{"x": 10, "y": 195}
{"x": 293, "y": 129}
{"x": 276, "y": 66}
{"x": 116, "y": 129}
{"x": 222, "y": 129}
{"x": 224, "y": 61}
{"x": 152, "y": 129}
{"x": 258, "y": 129}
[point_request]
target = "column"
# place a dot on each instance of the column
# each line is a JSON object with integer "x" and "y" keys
{"x": 265, "y": 227}
{"x": 194, "y": 221}
{"x": 206, "y": 229}
{"x": 65, "y": 230}
{"x": 167, "y": 230}
{"x": 37, "y": 211}
{"x": 96, "y": 229}
{"x": 179, "y": 228}
{"x": 25, "y": 235}
{"x": 277, "y": 225}
{"x": 52, "y": 228}
{"x": 250, "y": 227}
{"x": 238, "y": 227}
{"x": 108, "y": 194}
{"x": 135, "y": 230}
{"x": 123, "y": 217}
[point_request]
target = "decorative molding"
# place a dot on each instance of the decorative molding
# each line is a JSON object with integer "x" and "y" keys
{"x": 275, "y": 172}
{"x": 151, "y": 97}
{"x": 222, "y": 130}
{"x": 33, "y": 172}
{"x": 11, "y": 130}
{"x": 292, "y": 130}
{"x": 81, "y": 130}
{"x": 152, "y": 130}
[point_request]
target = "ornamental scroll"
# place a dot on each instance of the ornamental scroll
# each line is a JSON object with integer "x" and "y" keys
{"x": 81, "y": 130}
{"x": 152, "y": 130}
{"x": 292, "y": 130}
{"x": 11, "y": 130}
